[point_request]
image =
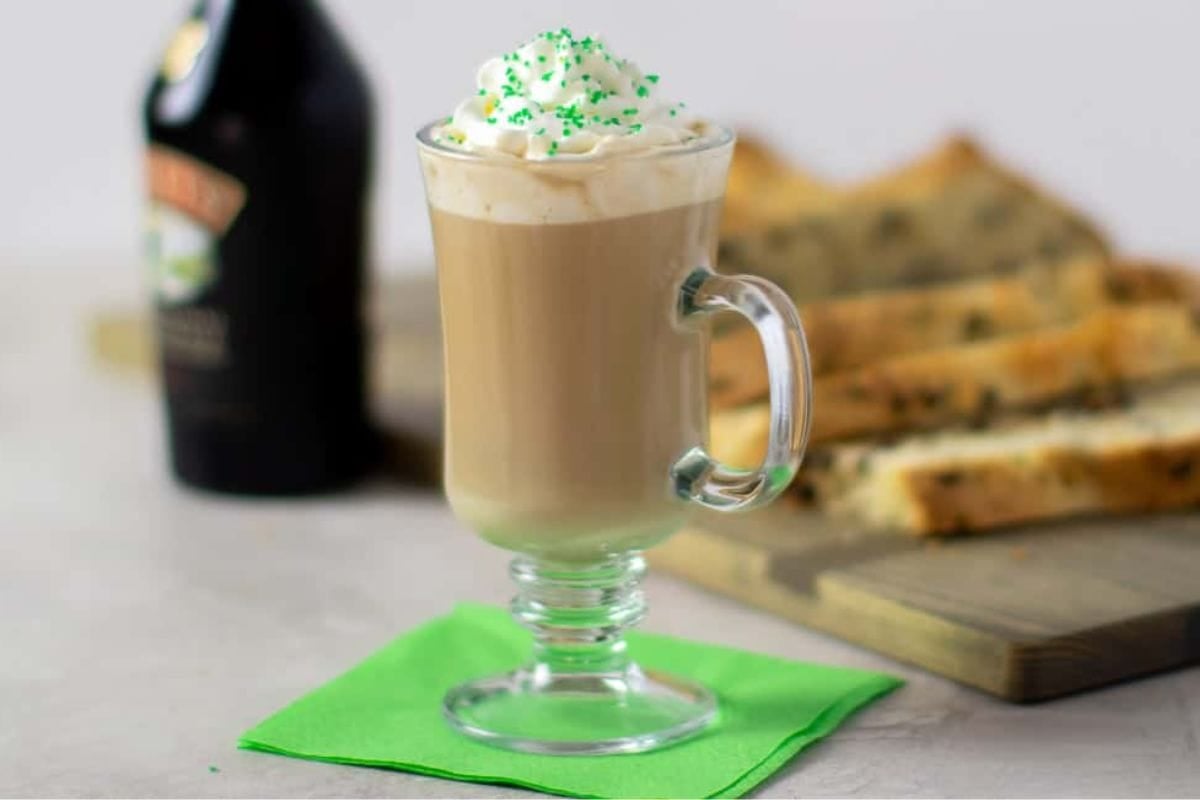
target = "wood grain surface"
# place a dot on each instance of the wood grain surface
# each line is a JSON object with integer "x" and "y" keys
{"x": 1025, "y": 614}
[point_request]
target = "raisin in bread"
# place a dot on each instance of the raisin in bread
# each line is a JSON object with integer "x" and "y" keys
{"x": 953, "y": 214}
{"x": 1144, "y": 458}
{"x": 1130, "y": 281}
{"x": 854, "y": 331}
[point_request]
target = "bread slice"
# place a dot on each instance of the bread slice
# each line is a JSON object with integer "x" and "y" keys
{"x": 1145, "y": 458}
{"x": 1141, "y": 281}
{"x": 762, "y": 186}
{"x": 851, "y": 332}
{"x": 1089, "y": 363}
{"x": 952, "y": 215}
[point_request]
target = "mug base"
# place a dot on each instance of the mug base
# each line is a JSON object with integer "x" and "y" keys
{"x": 533, "y": 711}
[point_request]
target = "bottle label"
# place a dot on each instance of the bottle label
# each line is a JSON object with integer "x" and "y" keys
{"x": 184, "y": 50}
{"x": 191, "y": 207}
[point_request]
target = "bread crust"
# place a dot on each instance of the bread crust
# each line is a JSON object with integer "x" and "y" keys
{"x": 852, "y": 332}
{"x": 951, "y": 214}
{"x": 1056, "y": 482}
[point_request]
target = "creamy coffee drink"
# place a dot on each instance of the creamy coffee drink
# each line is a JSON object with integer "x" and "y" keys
{"x": 563, "y": 236}
{"x": 575, "y": 222}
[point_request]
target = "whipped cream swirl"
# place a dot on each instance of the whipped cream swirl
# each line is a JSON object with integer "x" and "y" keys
{"x": 557, "y": 95}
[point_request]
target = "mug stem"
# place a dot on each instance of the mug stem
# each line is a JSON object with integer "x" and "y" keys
{"x": 578, "y": 614}
{"x": 581, "y": 694}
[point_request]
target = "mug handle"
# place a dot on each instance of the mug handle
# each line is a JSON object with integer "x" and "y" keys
{"x": 699, "y": 477}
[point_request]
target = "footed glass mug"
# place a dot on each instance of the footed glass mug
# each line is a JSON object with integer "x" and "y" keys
{"x": 575, "y": 295}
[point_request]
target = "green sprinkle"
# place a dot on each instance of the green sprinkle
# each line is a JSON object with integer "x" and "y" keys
{"x": 652, "y": 78}
{"x": 539, "y": 132}
{"x": 566, "y": 132}
{"x": 213, "y": 768}
{"x": 672, "y": 112}
{"x": 629, "y": 112}
{"x": 482, "y": 92}
{"x": 642, "y": 91}
{"x": 553, "y": 148}
{"x": 587, "y": 77}
{"x": 448, "y": 120}
{"x": 541, "y": 59}
{"x": 635, "y": 127}
{"x": 491, "y": 120}
{"x": 595, "y": 117}
{"x": 596, "y": 96}
{"x": 563, "y": 84}
{"x": 546, "y": 76}
{"x": 520, "y": 117}
{"x": 578, "y": 59}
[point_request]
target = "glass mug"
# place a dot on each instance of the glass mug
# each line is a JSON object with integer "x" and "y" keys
{"x": 575, "y": 295}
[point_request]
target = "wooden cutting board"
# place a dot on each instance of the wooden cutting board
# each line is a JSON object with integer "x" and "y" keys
{"x": 1025, "y": 615}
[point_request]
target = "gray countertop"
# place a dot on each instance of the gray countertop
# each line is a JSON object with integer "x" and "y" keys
{"x": 143, "y": 627}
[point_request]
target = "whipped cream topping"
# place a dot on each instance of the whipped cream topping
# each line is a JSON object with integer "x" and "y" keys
{"x": 557, "y": 95}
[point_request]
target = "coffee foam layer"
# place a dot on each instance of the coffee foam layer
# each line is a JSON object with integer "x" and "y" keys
{"x": 517, "y": 191}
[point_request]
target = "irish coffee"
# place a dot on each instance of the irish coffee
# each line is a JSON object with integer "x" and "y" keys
{"x": 572, "y": 385}
{"x": 574, "y": 219}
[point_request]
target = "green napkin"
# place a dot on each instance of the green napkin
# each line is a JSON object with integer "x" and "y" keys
{"x": 386, "y": 712}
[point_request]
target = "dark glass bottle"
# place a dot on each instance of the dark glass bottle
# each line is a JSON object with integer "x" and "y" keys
{"x": 259, "y": 150}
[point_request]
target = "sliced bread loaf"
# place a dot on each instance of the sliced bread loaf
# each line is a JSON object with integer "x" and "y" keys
{"x": 951, "y": 215}
{"x": 1086, "y": 363}
{"x": 1143, "y": 458}
{"x": 851, "y": 332}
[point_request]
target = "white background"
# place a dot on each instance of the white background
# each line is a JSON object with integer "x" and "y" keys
{"x": 1099, "y": 100}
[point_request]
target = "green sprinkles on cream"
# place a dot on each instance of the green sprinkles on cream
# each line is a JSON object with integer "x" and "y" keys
{"x": 509, "y": 101}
